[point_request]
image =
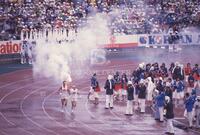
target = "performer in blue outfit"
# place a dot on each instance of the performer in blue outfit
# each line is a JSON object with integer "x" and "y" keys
{"x": 95, "y": 89}
{"x": 160, "y": 99}
{"x": 189, "y": 103}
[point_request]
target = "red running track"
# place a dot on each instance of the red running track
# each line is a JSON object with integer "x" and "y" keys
{"x": 31, "y": 106}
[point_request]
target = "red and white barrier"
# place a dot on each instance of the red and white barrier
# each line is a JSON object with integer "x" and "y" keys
{"x": 124, "y": 41}
{"x": 121, "y": 41}
{"x": 10, "y": 47}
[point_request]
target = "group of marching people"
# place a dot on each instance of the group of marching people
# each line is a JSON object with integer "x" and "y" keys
{"x": 149, "y": 85}
{"x": 156, "y": 86}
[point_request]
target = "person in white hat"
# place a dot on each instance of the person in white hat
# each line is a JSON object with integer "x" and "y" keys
{"x": 150, "y": 88}
{"x": 142, "y": 95}
{"x": 109, "y": 87}
{"x": 130, "y": 97}
{"x": 169, "y": 115}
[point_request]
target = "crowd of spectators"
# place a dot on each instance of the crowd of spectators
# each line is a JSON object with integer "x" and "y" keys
{"x": 127, "y": 16}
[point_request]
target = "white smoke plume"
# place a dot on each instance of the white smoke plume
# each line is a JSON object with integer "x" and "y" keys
{"x": 54, "y": 60}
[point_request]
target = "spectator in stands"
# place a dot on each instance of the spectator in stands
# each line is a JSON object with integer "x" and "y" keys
{"x": 128, "y": 17}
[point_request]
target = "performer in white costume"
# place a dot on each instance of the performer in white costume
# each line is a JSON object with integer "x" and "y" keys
{"x": 74, "y": 97}
{"x": 64, "y": 95}
{"x": 150, "y": 88}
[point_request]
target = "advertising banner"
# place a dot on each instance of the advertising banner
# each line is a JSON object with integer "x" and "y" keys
{"x": 10, "y": 47}
{"x": 163, "y": 39}
{"x": 123, "y": 41}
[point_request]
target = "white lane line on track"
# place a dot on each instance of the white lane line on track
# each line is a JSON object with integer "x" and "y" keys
{"x": 26, "y": 116}
{"x": 98, "y": 119}
{"x": 51, "y": 118}
{"x": 102, "y": 121}
{"x": 8, "y": 84}
{"x": 31, "y": 77}
{"x": 4, "y": 133}
{"x": 5, "y": 118}
{"x": 31, "y": 84}
{"x": 86, "y": 125}
{"x": 9, "y": 122}
{"x": 15, "y": 91}
{"x": 111, "y": 111}
{"x": 105, "y": 122}
{"x": 79, "y": 121}
{"x": 6, "y": 95}
{"x": 99, "y": 79}
{"x": 115, "y": 115}
{"x": 13, "y": 124}
{"x": 45, "y": 112}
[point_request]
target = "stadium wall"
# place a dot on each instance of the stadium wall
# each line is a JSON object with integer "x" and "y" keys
{"x": 10, "y": 50}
